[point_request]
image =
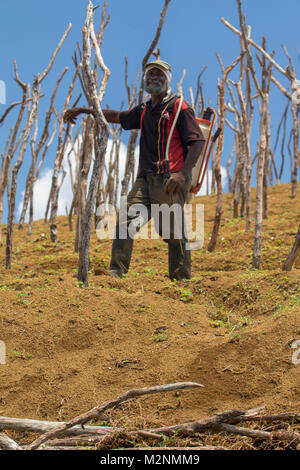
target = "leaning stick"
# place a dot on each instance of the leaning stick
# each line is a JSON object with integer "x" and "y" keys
{"x": 100, "y": 141}
{"x": 98, "y": 410}
{"x": 47, "y": 69}
{"x": 12, "y": 106}
{"x": 217, "y": 220}
{"x": 293, "y": 254}
{"x": 153, "y": 45}
{"x": 192, "y": 427}
{"x": 100, "y": 61}
{"x": 260, "y": 49}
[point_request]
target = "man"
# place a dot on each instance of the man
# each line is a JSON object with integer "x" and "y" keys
{"x": 161, "y": 179}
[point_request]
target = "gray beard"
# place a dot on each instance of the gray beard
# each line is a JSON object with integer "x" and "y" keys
{"x": 154, "y": 89}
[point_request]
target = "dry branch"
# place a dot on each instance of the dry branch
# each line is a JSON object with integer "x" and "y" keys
{"x": 98, "y": 410}
{"x": 85, "y": 160}
{"x": 41, "y": 427}
{"x": 102, "y": 437}
{"x": 32, "y": 177}
{"x": 199, "y": 94}
{"x": 100, "y": 140}
{"x": 260, "y": 49}
{"x": 12, "y": 196}
{"x": 261, "y": 155}
{"x": 6, "y": 443}
{"x": 60, "y": 152}
{"x": 289, "y": 262}
{"x": 220, "y": 144}
{"x": 179, "y": 84}
{"x": 10, "y": 107}
{"x": 289, "y": 73}
{"x": 32, "y": 115}
{"x": 153, "y": 45}
{"x": 130, "y": 158}
{"x": 47, "y": 70}
{"x": 12, "y": 147}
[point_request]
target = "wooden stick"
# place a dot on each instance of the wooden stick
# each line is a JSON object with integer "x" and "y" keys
{"x": 37, "y": 426}
{"x": 100, "y": 143}
{"x": 289, "y": 262}
{"x": 92, "y": 435}
{"x": 218, "y": 214}
{"x": 260, "y": 49}
{"x": 91, "y": 441}
{"x": 32, "y": 425}
{"x": 10, "y": 107}
{"x": 47, "y": 69}
{"x": 153, "y": 45}
{"x": 6, "y": 443}
{"x": 94, "y": 412}
{"x": 192, "y": 427}
{"x": 179, "y": 84}
{"x": 254, "y": 433}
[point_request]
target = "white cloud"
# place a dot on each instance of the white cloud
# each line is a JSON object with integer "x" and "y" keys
{"x": 203, "y": 190}
{"x": 43, "y": 184}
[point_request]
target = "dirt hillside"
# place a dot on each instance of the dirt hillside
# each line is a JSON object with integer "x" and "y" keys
{"x": 229, "y": 328}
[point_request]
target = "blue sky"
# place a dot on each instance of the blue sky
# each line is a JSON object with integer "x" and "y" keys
{"x": 191, "y": 37}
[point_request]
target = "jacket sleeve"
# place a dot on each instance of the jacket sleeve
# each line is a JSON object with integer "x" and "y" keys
{"x": 131, "y": 119}
{"x": 188, "y": 128}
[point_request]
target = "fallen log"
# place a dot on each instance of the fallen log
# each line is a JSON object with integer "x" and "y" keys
{"x": 193, "y": 427}
{"x": 6, "y": 443}
{"x": 40, "y": 427}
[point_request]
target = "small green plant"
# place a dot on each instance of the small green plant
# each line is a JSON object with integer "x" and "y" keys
{"x": 149, "y": 271}
{"x": 161, "y": 336}
{"x": 217, "y": 323}
{"x": 142, "y": 308}
{"x": 15, "y": 353}
{"x": 168, "y": 440}
{"x": 186, "y": 295}
{"x": 294, "y": 301}
{"x": 20, "y": 355}
{"x": 232, "y": 222}
{"x": 235, "y": 338}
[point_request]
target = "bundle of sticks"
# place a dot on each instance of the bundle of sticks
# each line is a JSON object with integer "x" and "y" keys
{"x": 74, "y": 435}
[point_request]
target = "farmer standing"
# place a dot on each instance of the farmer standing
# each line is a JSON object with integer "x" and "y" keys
{"x": 161, "y": 179}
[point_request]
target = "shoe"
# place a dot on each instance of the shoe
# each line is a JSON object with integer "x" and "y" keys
{"x": 115, "y": 273}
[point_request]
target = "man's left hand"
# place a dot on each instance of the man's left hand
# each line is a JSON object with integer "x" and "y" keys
{"x": 175, "y": 183}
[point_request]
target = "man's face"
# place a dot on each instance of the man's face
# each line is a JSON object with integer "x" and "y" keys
{"x": 155, "y": 82}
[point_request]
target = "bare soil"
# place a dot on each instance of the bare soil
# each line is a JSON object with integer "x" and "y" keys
{"x": 230, "y": 327}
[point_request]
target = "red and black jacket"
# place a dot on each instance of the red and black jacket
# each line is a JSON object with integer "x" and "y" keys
{"x": 155, "y": 123}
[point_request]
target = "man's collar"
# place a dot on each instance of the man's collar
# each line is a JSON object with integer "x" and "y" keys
{"x": 167, "y": 98}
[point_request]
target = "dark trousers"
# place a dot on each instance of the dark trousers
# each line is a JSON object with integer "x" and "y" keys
{"x": 149, "y": 193}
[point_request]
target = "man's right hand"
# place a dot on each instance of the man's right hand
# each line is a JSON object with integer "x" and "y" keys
{"x": 71, "y": 114}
